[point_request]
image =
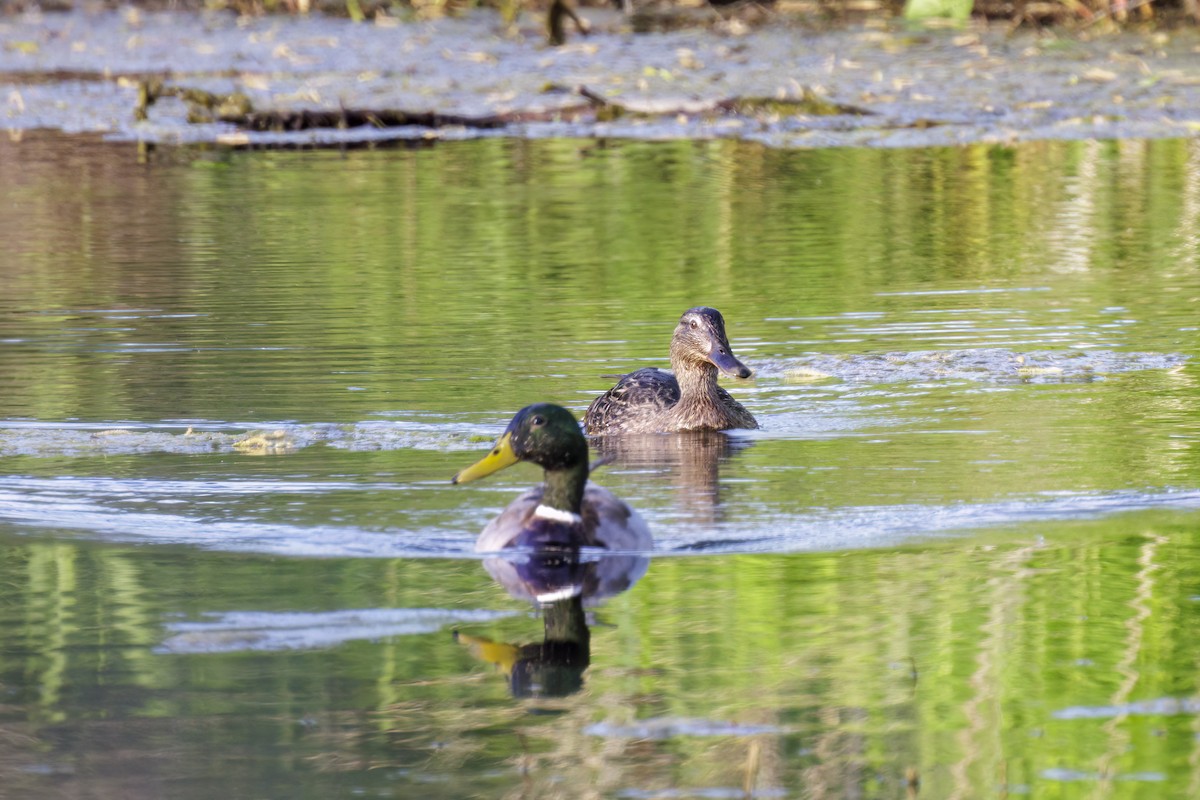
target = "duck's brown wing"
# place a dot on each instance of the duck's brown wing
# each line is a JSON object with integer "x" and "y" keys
{"x": 639, "y": 395}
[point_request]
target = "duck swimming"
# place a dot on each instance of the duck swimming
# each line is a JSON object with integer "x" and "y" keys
{"x": 567, "y": 511}
{"x": 653, "y": 400}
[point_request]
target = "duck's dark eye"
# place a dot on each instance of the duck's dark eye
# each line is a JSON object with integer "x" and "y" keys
{"x": 538, "y": 421}
{"x": 695, "y": 324}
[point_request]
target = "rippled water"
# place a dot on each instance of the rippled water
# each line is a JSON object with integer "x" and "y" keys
{"x": 957, "y": 560}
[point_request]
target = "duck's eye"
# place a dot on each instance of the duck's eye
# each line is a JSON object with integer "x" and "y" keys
{"x": 695, "y": 324}
{"x": 538, "y": 421}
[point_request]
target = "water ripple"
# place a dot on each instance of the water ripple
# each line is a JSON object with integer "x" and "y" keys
{"x": 101, "y": 508}
{"x": 27, "y": 438}
{"x": 238, "y": 631}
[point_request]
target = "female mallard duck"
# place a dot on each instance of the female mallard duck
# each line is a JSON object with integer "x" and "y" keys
{"x": 653, "y": 400}
{"x": 565, "y": 512}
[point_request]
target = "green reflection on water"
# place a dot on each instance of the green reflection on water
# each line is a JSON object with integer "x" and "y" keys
{"x": 329, "y": 286}
{"x": 467, "y": 280}
{"x": 818, "y": 674}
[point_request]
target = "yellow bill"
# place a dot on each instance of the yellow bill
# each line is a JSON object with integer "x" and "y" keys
{"x": 502, "y": 456}
{"x": 499, "y": 653}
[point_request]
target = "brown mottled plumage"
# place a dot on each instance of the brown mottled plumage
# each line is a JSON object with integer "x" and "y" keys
{"x": 653, "y": 400}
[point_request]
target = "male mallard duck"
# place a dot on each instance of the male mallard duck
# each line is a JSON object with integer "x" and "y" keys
{"x": 653, "y": 400}
{"x": 565, "y": 512}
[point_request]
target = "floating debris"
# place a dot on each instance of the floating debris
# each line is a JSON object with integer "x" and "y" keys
{"x": 40, "y": 439}
{"x": 985, "y": 365}
{"x": 235, "y": 108}
{"x": 75, "y": 441}
{"x": 806, "y": 374}
{"x": 479, "y": 75}
{"x": 259, "y": 443}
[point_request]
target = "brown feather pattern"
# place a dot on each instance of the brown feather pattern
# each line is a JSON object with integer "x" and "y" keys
{"x": 653, "y": 400}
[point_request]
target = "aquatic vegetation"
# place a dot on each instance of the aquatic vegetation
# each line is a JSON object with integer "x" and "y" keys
{"x": 991, "y": 365}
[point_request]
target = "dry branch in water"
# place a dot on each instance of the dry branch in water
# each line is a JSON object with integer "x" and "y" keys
{"x": 236, "y": 108}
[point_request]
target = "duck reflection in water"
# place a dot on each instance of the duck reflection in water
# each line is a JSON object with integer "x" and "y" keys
{"x": 537, "y": 545}
{"x": 690, "y": 463}
{"x": 554, "y": 666}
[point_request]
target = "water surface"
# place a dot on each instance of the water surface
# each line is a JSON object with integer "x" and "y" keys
{"x": 956, "y": 560}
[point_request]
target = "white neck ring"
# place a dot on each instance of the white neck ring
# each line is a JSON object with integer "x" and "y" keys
{"x": 557, "y": 515}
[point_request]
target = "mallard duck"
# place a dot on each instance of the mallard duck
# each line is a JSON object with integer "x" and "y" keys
{"x": 653, "y": 400}
{"x": 567, "y": 511}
